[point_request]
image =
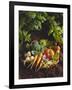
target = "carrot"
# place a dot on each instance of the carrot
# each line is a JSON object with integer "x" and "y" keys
{"x": 35, "y": 59}
{"x": 39, "y": 59}
{"x": 40, "y": 66}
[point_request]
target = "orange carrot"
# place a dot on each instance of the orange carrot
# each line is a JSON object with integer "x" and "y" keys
{"x": 39, "y": 59}
{"x": 35, "y": 59}
{"x": 40, "y": 66}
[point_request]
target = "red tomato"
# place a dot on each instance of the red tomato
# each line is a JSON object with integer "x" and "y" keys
{"x": 49, "y": 53}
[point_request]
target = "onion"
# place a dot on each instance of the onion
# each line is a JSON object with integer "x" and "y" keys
{"x": 32, "y": 57}
{"x": 27, "y": 58}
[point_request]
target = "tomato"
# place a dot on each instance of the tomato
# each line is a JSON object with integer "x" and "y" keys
{"x": 49, "y": 53}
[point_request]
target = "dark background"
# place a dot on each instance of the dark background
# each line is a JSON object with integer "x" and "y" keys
{"x": 54, "y": 71}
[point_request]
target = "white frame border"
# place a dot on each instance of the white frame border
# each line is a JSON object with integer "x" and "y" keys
{"x": 18, "y": 81}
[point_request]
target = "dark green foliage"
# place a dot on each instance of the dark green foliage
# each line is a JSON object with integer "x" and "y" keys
{"x": 56, "y": 30}
{"x": 30, "y": 21}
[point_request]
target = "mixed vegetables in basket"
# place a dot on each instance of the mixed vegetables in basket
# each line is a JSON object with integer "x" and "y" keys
{"x": 41, "y": 55}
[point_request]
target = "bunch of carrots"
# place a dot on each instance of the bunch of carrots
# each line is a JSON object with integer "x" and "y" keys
{"x": 37, "y": 60}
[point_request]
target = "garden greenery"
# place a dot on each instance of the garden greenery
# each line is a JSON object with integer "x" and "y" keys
{"x": 33, "y": 21}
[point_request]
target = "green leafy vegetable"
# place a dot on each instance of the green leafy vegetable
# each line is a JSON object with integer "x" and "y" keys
{"x": 30, "y": 21}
